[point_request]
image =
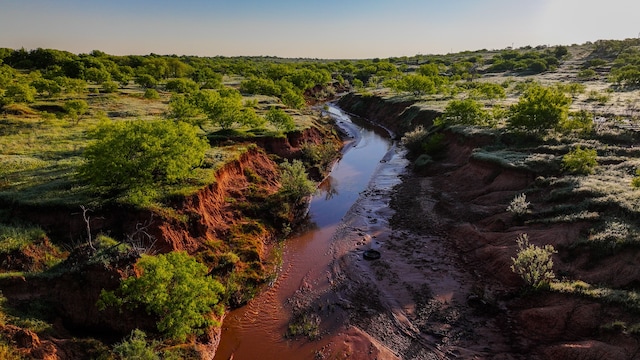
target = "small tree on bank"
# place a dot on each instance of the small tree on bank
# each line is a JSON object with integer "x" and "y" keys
{"x": 539, "y": 109}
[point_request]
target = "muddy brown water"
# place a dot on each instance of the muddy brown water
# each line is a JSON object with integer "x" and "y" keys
{"x": 257, "y": 330}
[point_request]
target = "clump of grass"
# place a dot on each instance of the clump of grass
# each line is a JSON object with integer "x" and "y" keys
{"x": 515, "y": 160}
{"x": 628, "y": 299}
{"x": 17, "y": 238}
{"x": 307, "y": 325}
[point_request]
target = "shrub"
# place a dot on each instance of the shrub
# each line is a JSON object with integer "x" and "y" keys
{"x": 580, "y": 161}
{"x": 109, "y": 86}
{"x": 463, "y": 112}
{"x": 635, "y": 182}
{"x": 586, "y": 74}
{"x": 181, "y": 85}
{"x": 539, "y": 109}
{"x": 434, "y": 145}
{"x": 136, "y": 347}
{"x": 519, "y": 206}
{"x": 580, "y": 122}
{"x": 533, "y": 263}
{"x": 295, "y": 182}
{"x": 176, "y": 288}
{"x": 151, "y": 94}
{"x": 413, "y": 140}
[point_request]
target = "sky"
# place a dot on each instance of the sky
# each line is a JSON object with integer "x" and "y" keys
{"x": 327, "y": 29}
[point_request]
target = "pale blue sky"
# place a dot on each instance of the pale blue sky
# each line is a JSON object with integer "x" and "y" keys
{"x": 310, "y": 28}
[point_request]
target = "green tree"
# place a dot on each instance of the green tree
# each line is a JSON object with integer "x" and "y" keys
{"x": 539, "y": 109}
{"x": 109, "y": 86}
{"x": 464, "y": 112}
{"x": 146, "y": 81}
{"x": 50, "y": 87}
{"x": 76, "y": 109}
{"x": 19, "y": 93}
{"x": 183, "y": 108}
{"x": 175, "y": 287}
{"x": 135, "y": 154}
{"x": 280, "y": 119}
{"x": 533, "y": 263}
{"x": 181, "y": 85}
{"x": 96, "y": 75}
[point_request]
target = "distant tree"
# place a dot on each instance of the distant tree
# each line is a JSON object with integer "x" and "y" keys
{"x": 46, "y": 86}
{"x": 7, "y": 74}
{"x": 19, "y": 93}
{"x": 96, "y": 75}
{"x": 280, "y": 119}
{"x": 417, "y": 84}
{"x": 489, "y": 91}
{"x": 181, "y": 85}
{"x": 134, "y": 154}
{"x": 175, "y": 287}
{"x": 76, "y": 109}
{"x": 146, "y": 81}
{"x": 539, "y": 109}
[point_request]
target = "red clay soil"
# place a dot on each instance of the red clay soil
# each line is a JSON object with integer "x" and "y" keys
{"x": 74, "y": 294}
{"x": 443, "y": 287}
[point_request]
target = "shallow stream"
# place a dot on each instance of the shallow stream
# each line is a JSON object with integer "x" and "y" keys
{"x": 256, "y": 331}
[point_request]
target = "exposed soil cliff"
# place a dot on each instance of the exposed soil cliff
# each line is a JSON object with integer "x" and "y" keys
{"x": 397, "y": 117}
{"x": 444, "y": 287}
{"x": 71, "y": 293}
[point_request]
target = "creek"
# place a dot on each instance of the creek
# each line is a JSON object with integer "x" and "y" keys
{"x": 257, "y": 330}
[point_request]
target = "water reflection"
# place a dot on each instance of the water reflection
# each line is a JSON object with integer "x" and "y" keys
{"x": 328, "y": 187}
{"x": 257, "y": 330}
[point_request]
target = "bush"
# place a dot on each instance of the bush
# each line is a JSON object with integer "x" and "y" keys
{"x": 136, "y": 154}
{"x": 580, "y": 161}
{"x": 295, "y": 182}
{"x": 539, "y": 109}
{"x": 136, "y": 347}
{"x": 580, "y": 122}
{"x": 176, "y": 288}
{"x": 151, "y": 94}
{"x": 519, "y": 206}
{"x": 413, "y": 140}
{"x": 533, "y": 263}
{"x": 463, "y": 112}
{"x": 109, "y": 86}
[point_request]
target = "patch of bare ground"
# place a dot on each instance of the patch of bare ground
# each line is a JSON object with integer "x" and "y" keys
{"x": 442, "y": 287}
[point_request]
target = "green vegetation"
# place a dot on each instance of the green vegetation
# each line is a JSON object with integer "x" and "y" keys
{"x": 138, "y": 155}
{"x": 580, "y": 161}
{"x": 176, "y": 288}
{"x": 533, "y": 263}
{"x": 103, "y": 131}
{"x": 295, "y": 181}
{"x": 539, "y": 109}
